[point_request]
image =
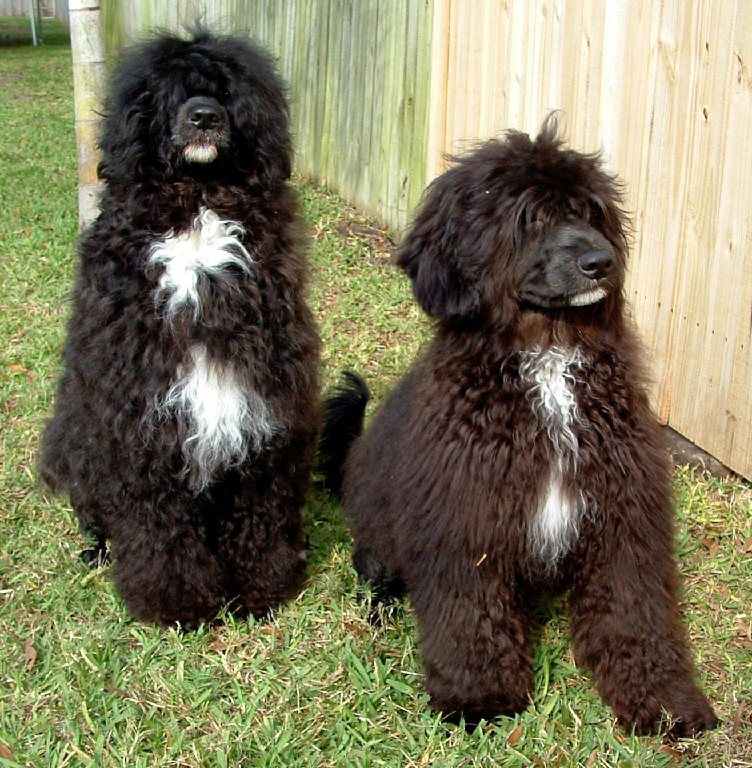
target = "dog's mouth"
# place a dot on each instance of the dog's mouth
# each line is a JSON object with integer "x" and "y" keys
{"x": 201, "y": 130}
{"x": 580, "y": 299}
{"x": 588, "y": 297}
{"x": 593, "y": 296}
{"x": 200, "y": 153}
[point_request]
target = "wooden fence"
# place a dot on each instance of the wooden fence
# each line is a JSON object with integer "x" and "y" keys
{"x": 381, "y": 90}
{"x": 46, "y": 8}
{"x": 359, "y": 79}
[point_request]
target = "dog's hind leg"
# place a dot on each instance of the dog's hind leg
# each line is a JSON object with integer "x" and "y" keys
{"x": 92, "y": 531}
{"x": 98, "y": 554}
{"x": 474, "y": 649}
{"x": 385, "y": 586}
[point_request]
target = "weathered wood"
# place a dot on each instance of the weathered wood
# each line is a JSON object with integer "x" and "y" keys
{"x": 381, "y": 90}
{"x": 89, "y": 77}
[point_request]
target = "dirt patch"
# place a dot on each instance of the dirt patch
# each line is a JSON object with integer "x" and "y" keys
{"x": 376, "y": 239}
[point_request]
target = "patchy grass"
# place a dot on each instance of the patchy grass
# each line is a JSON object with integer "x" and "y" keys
{"x": 81, "y": 684}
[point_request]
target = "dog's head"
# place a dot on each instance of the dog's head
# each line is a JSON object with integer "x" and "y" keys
{"x": 518, "y": 225}
{"x": 205, "y": 107}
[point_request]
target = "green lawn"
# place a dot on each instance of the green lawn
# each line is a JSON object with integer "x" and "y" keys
{"x": 81, "y": 684}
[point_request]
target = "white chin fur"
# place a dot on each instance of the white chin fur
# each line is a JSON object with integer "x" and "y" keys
{"x": 200, "y": 153}
{"x": 588, "y": 297}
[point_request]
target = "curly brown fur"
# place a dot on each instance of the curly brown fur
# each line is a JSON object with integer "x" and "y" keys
{"x": 185, "y": 422}
{"x": 519, "y": 455}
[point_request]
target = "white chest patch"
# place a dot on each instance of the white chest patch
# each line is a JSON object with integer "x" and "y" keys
{"x": 555, "y": 524}
{"x": 222, "y": 420}
{"x": 207, "y": 249}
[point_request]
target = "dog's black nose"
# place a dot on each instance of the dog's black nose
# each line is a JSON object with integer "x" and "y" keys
{"x": 204, "y": 116}
{"x": 595, "y": 264}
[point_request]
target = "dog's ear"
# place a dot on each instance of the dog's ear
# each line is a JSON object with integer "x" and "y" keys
{"x": 260, "y": 110}
{"x": 274, "y": 151}
{"x": 435, "y": 255}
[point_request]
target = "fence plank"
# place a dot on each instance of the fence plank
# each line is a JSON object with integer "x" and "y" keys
{"x": 381, "y": 90}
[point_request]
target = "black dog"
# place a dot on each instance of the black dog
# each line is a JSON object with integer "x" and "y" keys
{"x": 185, "y": 423}
{"x": 519, "y": 455}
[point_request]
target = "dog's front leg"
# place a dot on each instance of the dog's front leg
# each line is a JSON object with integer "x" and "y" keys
{"x": 626, "y": 628}
{"x": 474, "y": 649}
{"x": 265, "y": 567}
{"x": 259, "y": 528}
{"x": 164, "y": 570}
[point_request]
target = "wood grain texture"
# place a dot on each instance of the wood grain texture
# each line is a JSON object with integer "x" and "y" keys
{"x": 664, "y": 90}
{"x": 381, "y": 91}
{"x": 89, "y": 83}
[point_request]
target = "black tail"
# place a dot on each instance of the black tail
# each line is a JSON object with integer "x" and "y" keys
{"x": 344, "y": 411}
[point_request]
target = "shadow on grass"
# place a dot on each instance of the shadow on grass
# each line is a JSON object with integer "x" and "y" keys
{"x": 324, "y": 525}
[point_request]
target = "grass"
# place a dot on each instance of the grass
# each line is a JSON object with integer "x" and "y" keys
{"x": 82, "y": 684}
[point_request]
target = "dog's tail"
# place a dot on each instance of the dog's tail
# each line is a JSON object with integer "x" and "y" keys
{"x": 344, "y": 411}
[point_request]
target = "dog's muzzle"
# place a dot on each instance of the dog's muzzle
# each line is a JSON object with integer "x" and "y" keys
{"x": 575, "y": 266}
{"x": 593, "y": 265}
{"x": 202, "y": 129}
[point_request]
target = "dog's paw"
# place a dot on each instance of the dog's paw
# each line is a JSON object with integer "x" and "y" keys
{"x": 471, "y": 712}
{"x": 95, "y": 557}
{"x": 187, "y": 625}
{"x": 693, "y": 724}
{"x": 472, "y": 720}
{"x": 683, "y": 722}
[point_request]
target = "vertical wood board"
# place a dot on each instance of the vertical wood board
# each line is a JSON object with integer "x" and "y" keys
{"x": 381, "y": 91}
{"x": 664, "y": 90}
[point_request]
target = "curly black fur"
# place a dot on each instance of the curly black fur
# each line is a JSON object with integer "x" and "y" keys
{"x": 519, "y": 455}
{"x": 186, "y": 418}
{"x": 343, "y": 415}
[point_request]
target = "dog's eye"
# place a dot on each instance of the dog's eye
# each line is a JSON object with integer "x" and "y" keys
{"x": 597, "y": 215}
{"x": 536, "y": 227}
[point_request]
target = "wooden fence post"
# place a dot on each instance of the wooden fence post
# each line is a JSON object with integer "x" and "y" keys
{"x": 89, "y": 78}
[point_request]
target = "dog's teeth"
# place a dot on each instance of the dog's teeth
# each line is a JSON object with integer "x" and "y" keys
{"x": 589, "y": 297}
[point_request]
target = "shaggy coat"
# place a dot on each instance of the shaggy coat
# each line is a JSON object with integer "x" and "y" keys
{"x": 186, "y": 416}
{"x": 519, "y": 456}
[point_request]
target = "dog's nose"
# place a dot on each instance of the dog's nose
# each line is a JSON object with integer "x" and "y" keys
{"x": 204, "y": 116}
{"x": 595, "y": 264}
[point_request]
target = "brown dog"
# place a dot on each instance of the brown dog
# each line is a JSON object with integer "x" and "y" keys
{"x": 519, "y": 455}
